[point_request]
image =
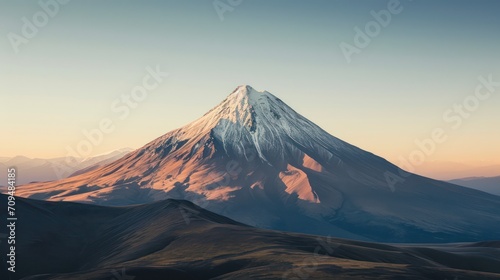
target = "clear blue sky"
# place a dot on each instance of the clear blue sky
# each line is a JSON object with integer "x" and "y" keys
{"x": 427, "y": 58}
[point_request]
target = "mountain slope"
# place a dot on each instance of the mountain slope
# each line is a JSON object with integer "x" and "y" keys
{"x": 485, "y": 184}
{"x": 177, "y": 240}
{"x": 254, "y": 159}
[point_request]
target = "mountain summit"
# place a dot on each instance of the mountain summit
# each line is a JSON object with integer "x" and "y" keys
{"x": 248, "y": 121}
{"x": 254, "y": 159}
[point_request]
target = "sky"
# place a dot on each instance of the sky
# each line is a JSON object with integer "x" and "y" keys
{"x": 381, "y": 75}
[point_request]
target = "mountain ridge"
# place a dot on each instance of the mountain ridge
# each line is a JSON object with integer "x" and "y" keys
{"x": 175, "y": 239}
{"x": 482, "y": 183}
{"x": 49, "y": 169}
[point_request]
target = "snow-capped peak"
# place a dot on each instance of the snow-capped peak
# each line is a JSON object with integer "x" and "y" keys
{"x": 247, "y": 94}
{"x": 241, "y": 107}
{"x": 244, "y": 88}
{"x": 258, "y": 120}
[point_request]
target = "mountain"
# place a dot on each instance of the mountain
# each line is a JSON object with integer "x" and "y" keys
{"x": 485, "y": 184}
{"x": 447, "y": 170}
{"x": 175, "y": 239}
{"x": 254, "y": 159}
{"x": 41, "y": 170}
